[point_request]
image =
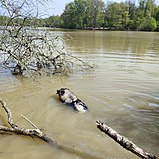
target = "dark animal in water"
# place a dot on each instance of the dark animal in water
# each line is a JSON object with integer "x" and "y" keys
{"x": 67, "y": 97}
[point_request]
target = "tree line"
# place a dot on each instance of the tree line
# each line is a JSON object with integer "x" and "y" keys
{"x": 95, "y": 14}
{"x": 121, "y": 16}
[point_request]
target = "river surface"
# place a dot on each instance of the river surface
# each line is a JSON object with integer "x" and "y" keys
{"x": 122, "y": 91}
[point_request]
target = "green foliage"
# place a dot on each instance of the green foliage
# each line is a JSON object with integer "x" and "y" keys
{"x": 117, "y": 16}
{"x": 84, "y": 13}
{"x": 95, "y": 14}
{"x": 151, "y": 24}
{"x": 3, "y": 20}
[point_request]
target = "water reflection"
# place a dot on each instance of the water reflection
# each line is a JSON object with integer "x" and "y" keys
{"x": 123, "y": 92}
{"x": 134, "y": 43}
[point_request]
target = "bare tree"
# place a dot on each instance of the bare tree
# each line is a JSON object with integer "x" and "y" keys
{"x": 27, "y": 49}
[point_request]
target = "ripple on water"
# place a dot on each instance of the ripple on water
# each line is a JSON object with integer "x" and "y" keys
{"x": 121, "y": 92}
{"x": 7, "y": 81}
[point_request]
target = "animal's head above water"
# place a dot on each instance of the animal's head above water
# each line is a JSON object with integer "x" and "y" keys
{"x": 62, "y": 91}
{"x": 66, "y": 96}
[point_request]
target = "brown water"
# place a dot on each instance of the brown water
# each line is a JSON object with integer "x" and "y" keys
{"x": 123, "y": 92}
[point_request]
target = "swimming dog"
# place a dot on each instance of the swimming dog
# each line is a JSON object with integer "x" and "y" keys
{"x": 67, "y": 97}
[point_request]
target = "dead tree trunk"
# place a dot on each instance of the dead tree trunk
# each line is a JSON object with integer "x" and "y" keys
{"x": 124, "y": 142}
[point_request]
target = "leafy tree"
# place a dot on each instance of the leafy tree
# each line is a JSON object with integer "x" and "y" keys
{"x": 3, "y": 20}
{"x": 68, "y": 16}
{"x": 74, "y": 14}
{"x": 152, "y": 25}
{"x": 84, "y": 13}
{"x": 90, "y": 14}
{"x": 145, "y": 13}
{"x": 149, "y": 24}
{"x": 132, "y": 14}
{"x": 126, "y": 15}
{"x": 157, "y": 17}
{"x": 117, "y": 15}
{"x": 98, "y": 13}
{"x": 139, "y": 19}
{"x": 150, "y": 7}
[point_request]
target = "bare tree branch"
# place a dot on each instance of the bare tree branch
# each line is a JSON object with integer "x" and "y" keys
{"x": 9, "y": 114}
{"x": 124, "y": 142}
{"x": 30, "y": 122}
{"x": 29, "y": 50}
{"x": 18, "y": 130}
{"x": 36, "y": 132}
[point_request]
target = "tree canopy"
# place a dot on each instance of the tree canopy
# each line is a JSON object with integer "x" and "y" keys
{"x": 95, "y": 14}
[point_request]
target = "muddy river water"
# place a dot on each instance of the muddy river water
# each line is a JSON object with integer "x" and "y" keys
{"x": 123, "y": 91}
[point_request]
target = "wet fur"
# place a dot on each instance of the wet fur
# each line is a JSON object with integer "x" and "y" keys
{"x": 67, "y": 97}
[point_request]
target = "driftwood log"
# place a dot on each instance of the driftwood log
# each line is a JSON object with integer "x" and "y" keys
{"x": 124, "y": 142}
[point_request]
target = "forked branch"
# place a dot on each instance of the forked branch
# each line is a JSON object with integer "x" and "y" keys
{"x": 36, "y": 132}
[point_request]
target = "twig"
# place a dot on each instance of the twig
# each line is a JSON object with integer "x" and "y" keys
{"x": 29, "y": 122}
{"x": 124, "y": 142}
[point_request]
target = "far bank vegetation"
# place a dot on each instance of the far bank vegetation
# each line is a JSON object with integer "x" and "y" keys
{"x": 141, "y": 15}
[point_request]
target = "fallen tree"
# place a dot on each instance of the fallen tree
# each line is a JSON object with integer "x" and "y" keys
{"x": 26, "y": 49}
{"x": 124, "y": 142}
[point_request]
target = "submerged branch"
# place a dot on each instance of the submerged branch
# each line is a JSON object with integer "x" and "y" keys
{"x": 124, "y": 142}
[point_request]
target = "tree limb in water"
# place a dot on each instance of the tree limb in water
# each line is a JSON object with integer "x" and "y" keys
{"x": 124, "y": 142}
{"x": 18, "y": 130}
{"x": 28, "y": 50}
{"x": 36, "y": 132}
